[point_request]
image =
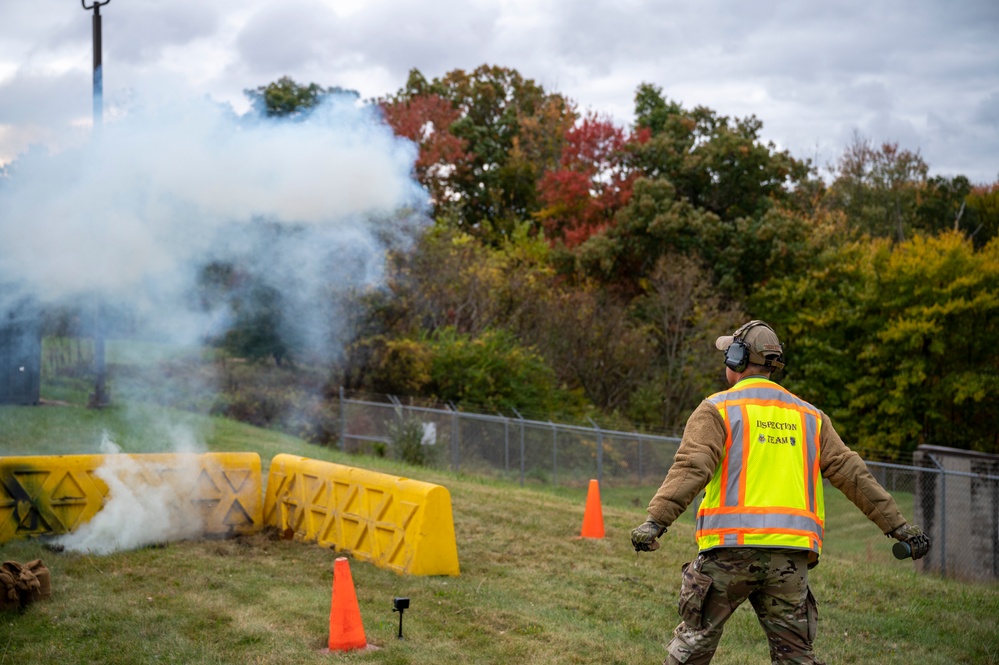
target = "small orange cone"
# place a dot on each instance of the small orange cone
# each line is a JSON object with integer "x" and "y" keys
{"x": 346, "y": 629}
{"x": 593, "y": 518}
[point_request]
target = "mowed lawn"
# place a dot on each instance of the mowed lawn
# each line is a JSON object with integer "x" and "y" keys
{"x": 530, "y": 591}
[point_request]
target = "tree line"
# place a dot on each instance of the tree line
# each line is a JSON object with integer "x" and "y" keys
{"x": 581, "y": 268}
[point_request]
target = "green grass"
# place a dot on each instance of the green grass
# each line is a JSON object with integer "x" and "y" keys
{"x": 529, "y": 592}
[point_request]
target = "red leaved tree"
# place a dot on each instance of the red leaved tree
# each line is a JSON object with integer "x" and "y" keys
{"x": 593, "y": 181}
{"x": 426, "y": 120}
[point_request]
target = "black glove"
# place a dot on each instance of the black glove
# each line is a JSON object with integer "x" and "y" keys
{"x": 644, "y": 536}
{"x": 918, "y": 541}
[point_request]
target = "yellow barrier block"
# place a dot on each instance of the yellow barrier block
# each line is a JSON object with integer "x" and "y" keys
{"x": 396, "y": 523}
{"x": 55, "y": 494}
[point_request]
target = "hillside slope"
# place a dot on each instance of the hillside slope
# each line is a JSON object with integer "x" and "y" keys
{"x": 530, "y": 590}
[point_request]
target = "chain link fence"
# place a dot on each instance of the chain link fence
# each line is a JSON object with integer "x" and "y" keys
{"x": 515, "y": 448}
{"x": 957, "y": 507}
{"x": 953, "y": 495}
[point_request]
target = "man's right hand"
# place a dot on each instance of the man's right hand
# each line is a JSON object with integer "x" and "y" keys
{"x": 912, "y": 534}
{"x": 644, "y": 536}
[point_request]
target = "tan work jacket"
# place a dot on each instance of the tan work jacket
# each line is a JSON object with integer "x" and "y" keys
{"x": 703, "y": 445}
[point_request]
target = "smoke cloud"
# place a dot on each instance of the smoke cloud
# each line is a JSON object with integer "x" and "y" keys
{"x": 143, "y": 508}
{"x": 170, "y": 186}
{"x": 130, "y": 219}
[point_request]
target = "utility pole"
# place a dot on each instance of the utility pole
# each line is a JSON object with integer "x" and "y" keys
{"x": 99, "y": 398}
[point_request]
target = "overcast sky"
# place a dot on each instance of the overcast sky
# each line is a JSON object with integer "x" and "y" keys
{"x": 923, "y": 74}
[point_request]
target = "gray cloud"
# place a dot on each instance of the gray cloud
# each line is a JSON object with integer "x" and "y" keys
{"x": 812, "y": 72}
{"x": 284, "y": 37}
{"x": 145, "y": 30}
{"x": 987, "y": 111}
{"x": 438, "y": 38}
{"x": 175, "y": 183}
{"x": 49, "y": 100}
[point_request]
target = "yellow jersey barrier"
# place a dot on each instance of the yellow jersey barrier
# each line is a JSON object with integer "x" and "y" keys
{"x": 55, "y": 494}
{"x": 395, "y": 523}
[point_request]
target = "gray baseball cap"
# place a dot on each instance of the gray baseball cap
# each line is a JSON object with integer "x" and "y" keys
{"x": 764, "y": 346}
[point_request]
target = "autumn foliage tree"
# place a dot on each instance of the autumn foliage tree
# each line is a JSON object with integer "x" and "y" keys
{"x": 666, "y": 233}
{"x": 578, "y": 264}
{"x": 981, "y": 219}
{"x": 426, "y": 119}
{"x": 878, "y": 188}
{"x": 288, "y": 99}
{"x": 714, "y": 162}
{"x": 684, "y": 313}
{"x": 703, "y": 186}
{"x": 593, "y": 180}
{"x": 895, "y": 341}
{"x": 500, "y": 133}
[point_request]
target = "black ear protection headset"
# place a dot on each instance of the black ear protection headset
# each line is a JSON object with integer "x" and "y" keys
{"x": 737, "y": 354}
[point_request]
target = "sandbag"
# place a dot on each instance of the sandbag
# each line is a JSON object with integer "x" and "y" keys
{"x": 22, "y": 584}
{"x": 9, "y": 598}
{"x": 44, "y": 577}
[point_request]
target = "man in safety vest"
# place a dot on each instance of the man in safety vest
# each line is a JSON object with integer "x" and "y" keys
{"x": 760, "y": 454}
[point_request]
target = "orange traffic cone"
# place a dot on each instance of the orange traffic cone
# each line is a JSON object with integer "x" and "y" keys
{"x": 593, "y": 518}
{"x": 346, "y": 629}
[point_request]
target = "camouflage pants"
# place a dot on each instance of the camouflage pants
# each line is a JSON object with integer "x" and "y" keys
{"x": 776, "y": 583}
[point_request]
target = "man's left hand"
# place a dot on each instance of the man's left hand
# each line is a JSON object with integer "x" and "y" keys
{"x": 912, "y": 534}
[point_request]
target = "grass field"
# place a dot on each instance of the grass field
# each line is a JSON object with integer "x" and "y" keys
{"x": 529, "y": 591}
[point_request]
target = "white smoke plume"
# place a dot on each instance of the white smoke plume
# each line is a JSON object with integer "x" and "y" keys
{"x": 171, "y": 184}
{"x": 174, "y": 183}
{"x": 142, "y": 507}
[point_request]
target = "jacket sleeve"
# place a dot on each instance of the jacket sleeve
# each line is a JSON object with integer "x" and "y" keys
{"x": 701, "y": 448}
{"x": 848, "y": 473}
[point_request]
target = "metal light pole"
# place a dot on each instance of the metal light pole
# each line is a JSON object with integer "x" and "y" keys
{"x": 98, "y": 73}
{"x": 99, "y": 398}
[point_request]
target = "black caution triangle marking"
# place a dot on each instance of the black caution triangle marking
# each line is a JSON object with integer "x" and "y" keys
{"x": 205, "y": 486}
{"x": 237, "y": 516}
{"x": 236, "y": 478}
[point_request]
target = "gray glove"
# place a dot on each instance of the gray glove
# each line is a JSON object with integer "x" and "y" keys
{"x": 918, "y": 541}
{"x": 644, "y": 536}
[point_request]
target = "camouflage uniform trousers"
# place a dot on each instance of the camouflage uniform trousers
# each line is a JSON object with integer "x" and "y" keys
{"x": 776, "y": 583}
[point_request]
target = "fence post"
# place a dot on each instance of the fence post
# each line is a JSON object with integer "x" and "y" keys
{"x": 455, "y": 433}
{"x": 343, "y": 421}
{"x": 995, "y": 528}
{"x": 600, "y": 452}
{"x": 943, "y": 515}
{"x": 521, "y": 418}
{"x": 506, "y": 442}
{"x": 554, "y": 454}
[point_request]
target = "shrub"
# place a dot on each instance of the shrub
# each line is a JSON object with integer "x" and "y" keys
{"x": 407, "y": 442}
{"x": 492, "y": 371}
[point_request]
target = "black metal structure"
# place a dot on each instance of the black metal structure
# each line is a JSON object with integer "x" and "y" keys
{"x": 99, "y": 398}
{"x": 98, "y": 70}
{"x": 20, "y": 359}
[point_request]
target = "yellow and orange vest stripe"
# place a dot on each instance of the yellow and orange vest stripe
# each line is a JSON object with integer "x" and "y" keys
{"x": 767, "y": 489}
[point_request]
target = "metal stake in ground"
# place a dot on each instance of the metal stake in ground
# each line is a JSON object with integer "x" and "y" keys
{"x": 99, "y": 398}
{"x": 98, "y": 74}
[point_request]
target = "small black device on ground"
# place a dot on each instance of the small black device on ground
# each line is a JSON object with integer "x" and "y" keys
{"x": 400, "y": 605}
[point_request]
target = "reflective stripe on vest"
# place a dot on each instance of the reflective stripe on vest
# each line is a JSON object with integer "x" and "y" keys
{"x": 766, "y": 491}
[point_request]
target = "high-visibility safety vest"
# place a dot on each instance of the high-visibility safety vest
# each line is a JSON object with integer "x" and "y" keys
{"x": 767, "y": 489}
